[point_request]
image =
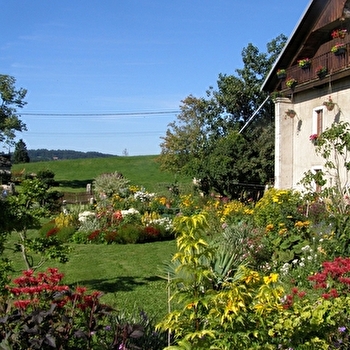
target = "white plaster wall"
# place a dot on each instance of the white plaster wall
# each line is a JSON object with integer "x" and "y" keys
{"x": 295, "y": 153}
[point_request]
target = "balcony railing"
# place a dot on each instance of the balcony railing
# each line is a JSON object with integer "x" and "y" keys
{"x": 332, "y": 62}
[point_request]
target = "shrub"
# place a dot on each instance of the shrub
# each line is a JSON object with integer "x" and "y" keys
{"x": 45, "y": 314}
{"x": 107, "y": 185}
{"x": 129, "y": 233}
{"x": 278, "y": 207}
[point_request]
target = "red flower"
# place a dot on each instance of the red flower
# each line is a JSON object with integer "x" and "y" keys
{"x": 52, "y": 232}
{"x": 93, "y": 235}
{"x": 295, "y": 290}
{"x": 301, "y": 294}
{"x": 22, "y": 304}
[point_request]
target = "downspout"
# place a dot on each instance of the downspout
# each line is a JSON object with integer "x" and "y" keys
{"x": 253, "y": 115}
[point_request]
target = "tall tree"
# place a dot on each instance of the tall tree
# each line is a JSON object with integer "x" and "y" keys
{"x": 20, "y": 155}
{"x": 205, "y": 141}
{"x": 10, "y": 100}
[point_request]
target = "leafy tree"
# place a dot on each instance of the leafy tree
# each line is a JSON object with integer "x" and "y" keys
{"x": 10, "y": 100}
{"x": 23, "y": 212}
{"x": 20, "y": 155}
{"x": 206, "y": 141}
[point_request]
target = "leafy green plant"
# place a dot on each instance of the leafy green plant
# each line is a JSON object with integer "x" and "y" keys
{"x": 215, "y": 307}
{"x": 333, "y": 145}
{"x": 25, "y": 212}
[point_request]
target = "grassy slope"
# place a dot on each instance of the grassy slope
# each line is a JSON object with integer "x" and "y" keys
{"x": 74, "y": 174}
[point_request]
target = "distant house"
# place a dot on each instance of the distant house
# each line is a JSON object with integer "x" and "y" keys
{"x": 5, "y": 168}
{"x": 324, "y": 26}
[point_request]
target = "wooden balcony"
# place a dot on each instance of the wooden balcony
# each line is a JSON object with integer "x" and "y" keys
{"x": 334, "y": 64}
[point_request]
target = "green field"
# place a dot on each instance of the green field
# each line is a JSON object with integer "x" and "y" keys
{"x": 128, "y": 275}
{"x": 74, "y": 174}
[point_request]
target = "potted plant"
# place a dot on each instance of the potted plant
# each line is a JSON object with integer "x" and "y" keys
{"x": 313, "y": 138}
{"x": 329, "y": 104}
{"x": 338, "y": 49}
{"x": 304, "y": 63}
{"x": 291, "y": 82}
{"x": 339, "y": 33}
{"x": 291, "y": 113}
{"x": 321, "y": 71}
{"x": 281, "y": 73}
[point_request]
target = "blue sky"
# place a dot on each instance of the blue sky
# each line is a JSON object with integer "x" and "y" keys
{"x": 109, "y": 75}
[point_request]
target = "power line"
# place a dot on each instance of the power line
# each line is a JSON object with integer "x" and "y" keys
{"x": 112, "y": 114}
{"x": 102, "y": 133}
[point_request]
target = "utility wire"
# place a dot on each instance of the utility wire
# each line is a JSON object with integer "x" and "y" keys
{"x": 115, "y": 114}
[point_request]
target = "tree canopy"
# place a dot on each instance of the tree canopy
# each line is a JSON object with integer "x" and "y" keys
{"x": 205, "y": 141}
{"x": 10, "y": 100}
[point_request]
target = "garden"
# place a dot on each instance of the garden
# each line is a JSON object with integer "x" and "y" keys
{"x": 270, "y": 274}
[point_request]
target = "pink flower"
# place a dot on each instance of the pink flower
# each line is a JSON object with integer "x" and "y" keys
{"x": 313, "y": 137}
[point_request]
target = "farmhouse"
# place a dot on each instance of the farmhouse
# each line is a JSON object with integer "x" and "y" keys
{"x": 312, "y": 74}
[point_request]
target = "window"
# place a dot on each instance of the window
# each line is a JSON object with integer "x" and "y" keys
{"x": 317, "y": 121}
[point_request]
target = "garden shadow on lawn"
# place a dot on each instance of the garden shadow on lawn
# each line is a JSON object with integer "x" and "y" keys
{"x": 119, "y": 284}
{"x": 75, "y": 183}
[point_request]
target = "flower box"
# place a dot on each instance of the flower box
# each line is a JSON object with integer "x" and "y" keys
{"x": 291, "y": 113}
{"x": 291, "y": 83}
{"x": 305, "y": 63}
{"x": 281, "y": 74}
{"x": 321, "y": 71}
{"x": 329, "y": 104}
{"x": 339, "y": 49}
{"x": 339, "y": 33}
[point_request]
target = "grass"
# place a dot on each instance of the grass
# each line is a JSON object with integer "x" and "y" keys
{"x": 74, "y": 174}
{"x": 128, "y": 275}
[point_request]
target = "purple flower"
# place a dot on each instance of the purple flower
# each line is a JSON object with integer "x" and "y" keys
{"x": 341, "y": 329}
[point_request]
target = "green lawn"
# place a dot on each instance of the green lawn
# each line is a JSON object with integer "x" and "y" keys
{"x": 128, "y": 275}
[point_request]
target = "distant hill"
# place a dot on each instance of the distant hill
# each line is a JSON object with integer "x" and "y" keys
{"x": 41, "y": 155}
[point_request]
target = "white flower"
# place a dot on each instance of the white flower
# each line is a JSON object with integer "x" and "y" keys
{"x": 144, "y": 196}
{"x": 82, "y": 217}
{"x": 129, "y": 212}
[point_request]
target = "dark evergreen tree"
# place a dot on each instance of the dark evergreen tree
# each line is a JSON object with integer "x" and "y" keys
{"x": 20, "y": 154}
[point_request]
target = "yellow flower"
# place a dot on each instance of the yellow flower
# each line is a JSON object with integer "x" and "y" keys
{"x": 282, "y": 231}
{"x": 190, "y": 305}
{"x": 321, "y": 250}
{"x": 301, "y": 224}
{"x": 162, "y": 200}
{"x": 252, "y": 277}
{"x": 269, "y": 228}
{"x": 273, "y": 277}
